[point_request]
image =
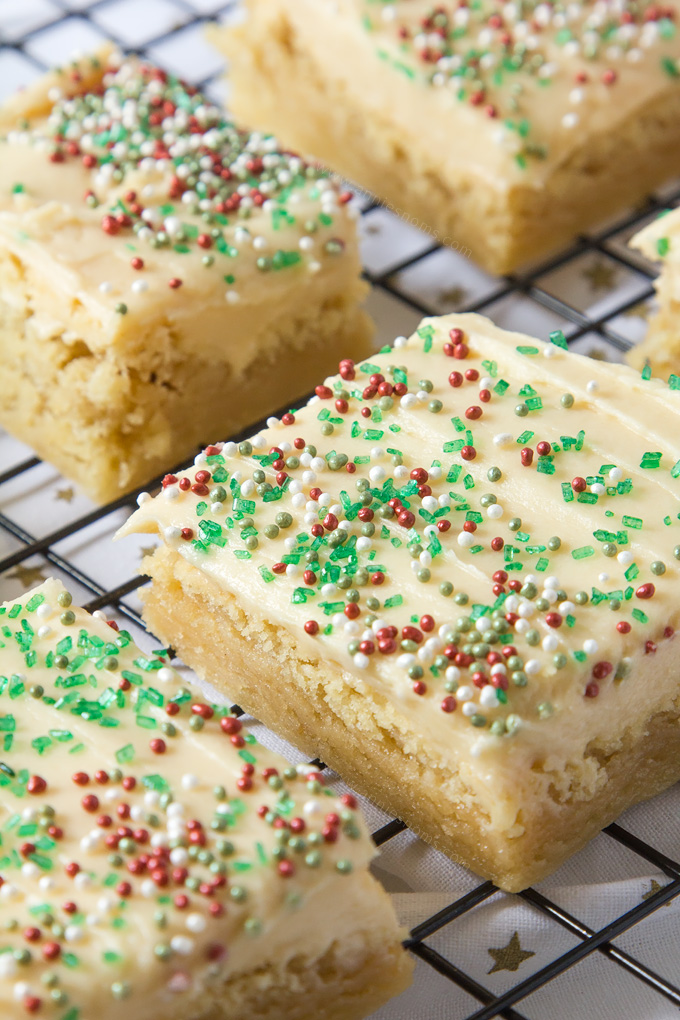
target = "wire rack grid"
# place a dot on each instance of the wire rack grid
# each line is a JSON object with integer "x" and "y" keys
{"x": 599, "y": 292}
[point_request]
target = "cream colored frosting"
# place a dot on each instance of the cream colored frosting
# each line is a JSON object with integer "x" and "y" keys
{"x": 142, "y": 942}
{"x": 555, "y": 106}
{"x": 617, "y": 536}
{"x": 52, "y": 229}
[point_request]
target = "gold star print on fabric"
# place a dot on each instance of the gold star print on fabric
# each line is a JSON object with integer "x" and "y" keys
{"x": 65, "y": 495}
{"x": 452, "y": 296}
{"x": 600, "y": 274}
{"x": 509, "y": 957}
{"x": 653, "y": 890}
{"x": 27, "y": 575}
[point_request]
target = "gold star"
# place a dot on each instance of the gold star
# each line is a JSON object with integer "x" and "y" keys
{"x": 27, "y": 575}
{"x": 601, "y": 275}
{"x": 65, "y": 494}
{"x": 147, "y": 550}
{"x": 509, "y": 957}
{"x": 653, "y": 890}
{"x": 452, "y": 296}
{"x": 640, "y": 310}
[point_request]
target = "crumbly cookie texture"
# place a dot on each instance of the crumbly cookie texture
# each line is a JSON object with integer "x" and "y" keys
{"x": 165, "y": 278}
{"x": 503, "y": 129}
{"x": 156, "y": 860}
{"x": 660, "y": 350}
{"x": 453, "y": 575}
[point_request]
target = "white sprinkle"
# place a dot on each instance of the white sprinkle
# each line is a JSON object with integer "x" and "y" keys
{"x": 182, "y": 944}
{"x": 469, "y": 708}
{"x": 189, "y": 781}
{"x": 488, "y": 697}
{"x": 143, "y": 498}
{"x": 232, "y": 297}
{"x": 105, "y": 287}
{"x": 592, "y": 386}
{"x": 466, "y": 539}
{"x": 171, "y": 533}
{"x": 495, "y": 511}
{"x": 570, "y": 120}
{"x": 465, "y": 693}
{"x": 532, "y": 667}
{"x": 616, "y": 474}
{"x": 502, "y": 439}
{"x": 625, "y": 557}
{"x": 590, "y": 646}
{"x": 196, "y": 923}
{"x": 8, "y": 965}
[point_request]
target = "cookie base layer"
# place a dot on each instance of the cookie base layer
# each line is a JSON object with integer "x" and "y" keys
{"x": 520, "y": 224}
{"x": 313, "y": 705}
{"x": 112, "y": 423}
{"x": 661, "y": 346}
{"x": 345, "y": 982}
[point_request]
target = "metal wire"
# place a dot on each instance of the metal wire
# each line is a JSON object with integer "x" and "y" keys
{"x": 580, "y": 323}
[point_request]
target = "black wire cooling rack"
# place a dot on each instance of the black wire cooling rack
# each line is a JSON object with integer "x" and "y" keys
{"x": 603, "y": 325}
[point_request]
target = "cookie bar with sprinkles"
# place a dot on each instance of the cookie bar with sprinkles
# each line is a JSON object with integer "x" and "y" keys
{"x": 660, "y": 350}
{"x": 503, "y": 128}
{"x": 154, "y": 852}
{"x": 164, "y": 277}
{"x": 453, "y": 575}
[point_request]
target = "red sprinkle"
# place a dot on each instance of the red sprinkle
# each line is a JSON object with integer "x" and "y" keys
{"x": 645, "y": 591}
{"x": 602, "y": 669}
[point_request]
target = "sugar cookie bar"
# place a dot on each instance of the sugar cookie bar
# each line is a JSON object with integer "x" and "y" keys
{"x": 164, "y": 277}
{"x": 156, "y": 860}
{"x": 453, "y": 576}
{"x": 504, "y": 129}
{"x": 660, "y": 241}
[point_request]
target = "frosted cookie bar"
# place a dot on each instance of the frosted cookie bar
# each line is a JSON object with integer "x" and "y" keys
{"x": 164, "y": 277}
{"x": 504, "y": 129}
{"x": 453, "y": 576}
{"x": 156, "y": 860}
{"x": 660, "y": 241}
